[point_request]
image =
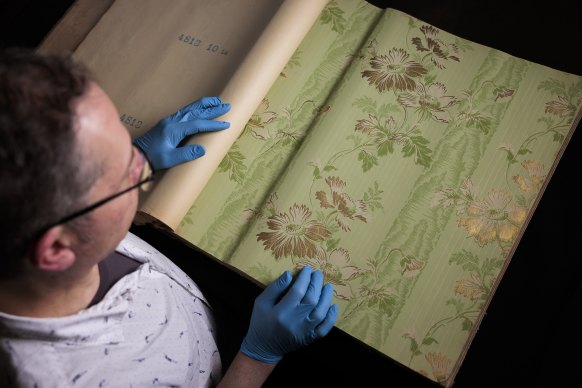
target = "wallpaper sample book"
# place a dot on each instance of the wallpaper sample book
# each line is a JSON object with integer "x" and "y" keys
{"x": 402, "y": 161}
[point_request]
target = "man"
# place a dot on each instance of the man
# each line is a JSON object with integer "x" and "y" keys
{"x": 84, "y": 302}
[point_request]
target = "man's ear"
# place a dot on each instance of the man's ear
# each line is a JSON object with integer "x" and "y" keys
{"x": 53, "y": 251}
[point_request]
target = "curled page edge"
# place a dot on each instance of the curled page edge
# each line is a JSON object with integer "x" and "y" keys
{"x": 180, "y": 186}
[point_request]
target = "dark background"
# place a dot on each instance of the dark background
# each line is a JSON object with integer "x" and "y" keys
{"x": 530, "y": 335}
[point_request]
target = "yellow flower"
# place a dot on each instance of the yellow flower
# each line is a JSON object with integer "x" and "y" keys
{"x": 293, "y": 234}
{"x": 439, "y": 364}
{"x": 470, "y": 288}
{"x": 393, "y": 71}
{"x": 493, "y": 219}
{"x": 535, "y": 177}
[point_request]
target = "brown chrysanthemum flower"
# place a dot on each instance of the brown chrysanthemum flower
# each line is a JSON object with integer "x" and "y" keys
{"x": 561, "y": 108}
{"x": 293, "y": 233}
{"x": 440, "y": 51}
{"x": 393, "y": 71}
{"x": 348, "y": 209}
{"x": 430, "y": 101}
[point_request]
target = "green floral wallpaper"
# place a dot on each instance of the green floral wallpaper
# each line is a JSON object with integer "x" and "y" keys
{"x": 402, "y": 161}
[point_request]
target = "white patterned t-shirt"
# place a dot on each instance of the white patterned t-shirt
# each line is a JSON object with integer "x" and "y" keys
{"x": 153, "y": 328}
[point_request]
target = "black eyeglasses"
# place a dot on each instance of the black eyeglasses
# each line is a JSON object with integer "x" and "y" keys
{"x": 144, "y": 183}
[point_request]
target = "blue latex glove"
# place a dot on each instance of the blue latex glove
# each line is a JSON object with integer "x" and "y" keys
{"x": 286, "y": 318}
{"x": 160, "y": 144}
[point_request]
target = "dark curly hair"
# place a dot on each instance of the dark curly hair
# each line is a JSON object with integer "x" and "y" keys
{"x": 42, "y": 174}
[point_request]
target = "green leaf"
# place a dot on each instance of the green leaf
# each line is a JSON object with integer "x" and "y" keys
{"x": 413, "y": 345}
{"x": 385, "y": 147}
{"x": 491, "y": 267}
{"x": 368, "y": 160}
{"x": 575, "y": 89}
{"x": 386, "y": 305}
{"x": 547, "y": 120}
{"x": 372, "y": 197}
{"x": 233, "y": 163}
{"x": 429, "y": 341}
{"x": 483, "y": 125}
{"x": 510, "y": 156}
{"x": 467, "y": 325}
{"x": 366, "y": 104}
{"x": 520, "y": 199}
{"x": 417, "y": 146}
{"x": 316, "y": 173}
{"x": 334, "y": 15}
{"x": 553, "y": 86}
{"x": 386, "y": 109}
{"x": 411, "y": 23}
{"x": 467, "y": 260}
{"x": 429, "y": 79}
{"x": 332, "y": 244}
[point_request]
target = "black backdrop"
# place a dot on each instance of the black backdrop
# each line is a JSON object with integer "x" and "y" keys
{"x": 529, "y": 337}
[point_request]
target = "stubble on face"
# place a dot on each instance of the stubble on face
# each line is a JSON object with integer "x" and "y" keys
{"x": 106, "y": 143}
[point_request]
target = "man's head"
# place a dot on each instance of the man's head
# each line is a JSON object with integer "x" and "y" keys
{"x": 62, "y": 147}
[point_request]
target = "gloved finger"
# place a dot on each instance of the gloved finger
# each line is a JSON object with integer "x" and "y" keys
{"x": 182, "y": 155}
{"x": 327, "y": 324}
{"x": 178, "y": 131}
{"x": 298, "y": 289}
{"x": 206, "y": 113}
{"x": 274, "y": 290}
{"x": 201, "y": 103}
{"x": 320, "y": 310}
{"x": 206, "y": 102}
{"x": 314, "y": 289}
{"x": 192, "y": 151}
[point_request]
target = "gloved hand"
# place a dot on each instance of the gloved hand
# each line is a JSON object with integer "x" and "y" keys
{"x": 160, "y": 144}
{"x": 285, "y": 321}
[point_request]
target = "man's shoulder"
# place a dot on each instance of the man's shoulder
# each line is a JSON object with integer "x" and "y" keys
{"x": 138, "y": 249}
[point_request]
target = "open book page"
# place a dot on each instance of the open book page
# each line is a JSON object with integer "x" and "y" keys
{"x": 401, "y": 160}
{"x": 411, "y": 189}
